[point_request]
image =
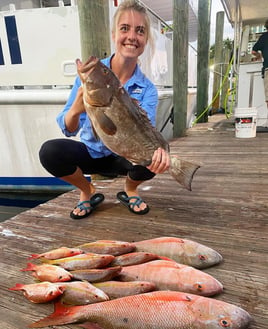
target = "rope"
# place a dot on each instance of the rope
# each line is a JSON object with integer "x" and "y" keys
{"x": 217, "y": 93}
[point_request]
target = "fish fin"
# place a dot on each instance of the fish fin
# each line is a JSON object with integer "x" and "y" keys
{"x": 182, "y": 171}
{"x": 61, "y": 315}
{"x": 33, "y": 256}
{"x": 106, "y": 124}
{"x": 166, "y": 258}
{"x": 18, "y": 286}
{"x": 30, "y": 267}
{"x": 90, "y": 325}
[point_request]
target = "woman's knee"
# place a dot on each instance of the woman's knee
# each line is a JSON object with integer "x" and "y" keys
{"x": 48, "y": 150}
{"x": 52, "y": 157}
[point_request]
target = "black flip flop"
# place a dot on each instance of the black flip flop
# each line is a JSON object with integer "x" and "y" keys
{"x": 126, "y": 201}
{"x": 94, "y": 201}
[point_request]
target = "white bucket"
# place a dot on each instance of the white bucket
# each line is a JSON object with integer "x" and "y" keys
{"x": 245, "y": 122}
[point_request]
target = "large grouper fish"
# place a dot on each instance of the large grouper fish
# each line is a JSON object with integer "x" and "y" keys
{"x": 121, "y": 124}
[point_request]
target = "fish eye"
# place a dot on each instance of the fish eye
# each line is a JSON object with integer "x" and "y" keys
{"x": 198, "y": 286}
{"x": 105, "y": 71}
{"x": 202, "y": 257}
{"x": 224, "y": 323}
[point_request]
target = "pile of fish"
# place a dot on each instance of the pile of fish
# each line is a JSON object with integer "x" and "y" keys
{"x": 150, "y": 284}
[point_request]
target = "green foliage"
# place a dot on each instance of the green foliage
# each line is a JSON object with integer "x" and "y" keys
{"x": 227, "y": 44}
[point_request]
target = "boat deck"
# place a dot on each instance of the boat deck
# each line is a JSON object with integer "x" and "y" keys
{"x": 226, "y": 210}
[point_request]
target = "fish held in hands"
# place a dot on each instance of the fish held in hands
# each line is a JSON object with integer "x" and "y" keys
{"x": 116, "y": 117}
{"x": 167, "y": 275}
{"x": 153, "y": 310}
{"x": 42, "y": 292}
{"x": 57, "y": 253}
{"x": 183, "y": 251}
{"x": 46, "y": 272}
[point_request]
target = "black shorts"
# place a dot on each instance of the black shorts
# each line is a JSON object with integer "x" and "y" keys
{"x": 61, "y": 157}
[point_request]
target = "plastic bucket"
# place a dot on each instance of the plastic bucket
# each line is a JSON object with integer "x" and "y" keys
{"x": 245, "y": 122}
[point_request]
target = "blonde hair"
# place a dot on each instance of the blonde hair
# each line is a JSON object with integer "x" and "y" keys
{"x": 137, "y": 6}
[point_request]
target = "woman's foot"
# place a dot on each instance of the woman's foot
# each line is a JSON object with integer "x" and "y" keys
{"x": 134, "y": 203}
{"x": 131, "y": 199}
{"x": 85, "y": 208}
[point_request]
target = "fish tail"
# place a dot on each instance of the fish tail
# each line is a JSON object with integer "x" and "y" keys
{"x": 30, "y": 267}
{"x": 18, "y": 286}
{"x": 61, "y": 315}
{"x": 33, "y": 256}
{"x": 182, "y": 171}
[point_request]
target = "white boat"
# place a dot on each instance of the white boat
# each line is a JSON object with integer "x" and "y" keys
{"x": 248, "y": 18}
{"x": 38, "y": 48}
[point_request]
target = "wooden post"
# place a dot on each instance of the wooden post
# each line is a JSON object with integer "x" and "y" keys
{"x": 204, "y": 12}
{"x": 180, "y": 65}
{"x": 218, "y": 59}
{"x": 94, "y": 28}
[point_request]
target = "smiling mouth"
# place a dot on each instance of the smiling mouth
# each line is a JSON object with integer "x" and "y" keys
{"x": 130, "y": 46}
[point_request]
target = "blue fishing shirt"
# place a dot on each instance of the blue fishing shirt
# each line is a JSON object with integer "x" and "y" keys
{"x": 138, "y": 87}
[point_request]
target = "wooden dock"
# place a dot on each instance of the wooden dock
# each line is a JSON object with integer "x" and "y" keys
{"x": 227, "y": 210}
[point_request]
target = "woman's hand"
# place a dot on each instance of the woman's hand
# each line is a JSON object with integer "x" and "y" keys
{"x": 160, "y": 161}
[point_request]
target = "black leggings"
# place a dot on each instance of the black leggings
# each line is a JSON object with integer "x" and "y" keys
{"x": 61, "y": 157}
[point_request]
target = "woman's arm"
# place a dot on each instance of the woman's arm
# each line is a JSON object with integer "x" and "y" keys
{"x": 73, "y": 115}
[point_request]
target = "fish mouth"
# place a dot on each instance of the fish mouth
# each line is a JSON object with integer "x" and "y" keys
{"x": 88, "y": 65}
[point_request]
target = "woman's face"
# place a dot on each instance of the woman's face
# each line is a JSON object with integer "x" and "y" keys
{"x": 130, "y": 37}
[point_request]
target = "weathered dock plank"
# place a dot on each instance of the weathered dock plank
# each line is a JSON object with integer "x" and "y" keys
{"x": 226, "y": 210}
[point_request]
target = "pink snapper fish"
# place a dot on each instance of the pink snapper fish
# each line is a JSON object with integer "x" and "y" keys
{"x": 167, "y": 275}
{"x": 42, "y": 292}
{"x": 57, "y": 253}
{"x": 183, "y": 251}
{"x": 46, "y": 272}
{"x": 111, "y": 247}
{"x": 153, "y": 310}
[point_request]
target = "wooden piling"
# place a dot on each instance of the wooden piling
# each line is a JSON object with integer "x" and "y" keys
{"x": 204, "y": 12}
{"x": 218, "y": 60}
{"x": 94, "y": 28}
{"x": 180, "y": 65}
